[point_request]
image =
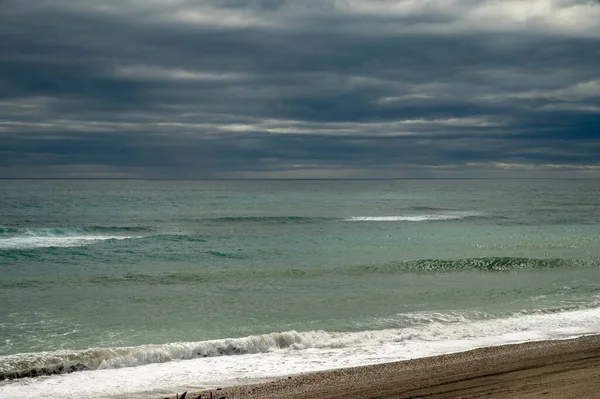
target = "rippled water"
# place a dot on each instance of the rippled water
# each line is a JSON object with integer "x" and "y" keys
{"x": 112, "y": 274}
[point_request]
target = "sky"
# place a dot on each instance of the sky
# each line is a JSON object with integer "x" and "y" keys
{"x": 299, "y": 88}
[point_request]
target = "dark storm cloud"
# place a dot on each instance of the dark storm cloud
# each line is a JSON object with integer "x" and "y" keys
{"x": 305, "y": 88}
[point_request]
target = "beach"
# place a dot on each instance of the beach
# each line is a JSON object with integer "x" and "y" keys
{"x": 544, "y": 369}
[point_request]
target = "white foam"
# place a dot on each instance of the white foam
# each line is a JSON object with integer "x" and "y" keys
{"x": 415, "y": 218}
{"x": 321, "y": 351}
{"x": 26, "y": 242}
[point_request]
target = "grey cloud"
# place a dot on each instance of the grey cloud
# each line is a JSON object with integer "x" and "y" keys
{"x": 215, "y": 88}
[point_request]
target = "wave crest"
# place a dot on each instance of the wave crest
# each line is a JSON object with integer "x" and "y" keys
{"x": 412, "y": 327}
{"x": 488, "y": 264}
{"x": 43, "y": 237}
{"x": 66, "y": 361}
{"x": 67, "y": 231}
{"x": 451, "y": 215}
{"x": 484, "y": 264}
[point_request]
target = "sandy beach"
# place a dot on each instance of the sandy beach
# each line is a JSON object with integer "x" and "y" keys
{"x": 545, "y": 369}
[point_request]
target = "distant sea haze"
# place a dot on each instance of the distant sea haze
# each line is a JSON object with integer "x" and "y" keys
{"x": 146, "y": 287}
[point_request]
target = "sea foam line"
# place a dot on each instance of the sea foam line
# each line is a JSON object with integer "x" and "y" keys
{"x": 28, "y": 242}
{"x": 415, "y": 218}
{"x": 44, "y": 237}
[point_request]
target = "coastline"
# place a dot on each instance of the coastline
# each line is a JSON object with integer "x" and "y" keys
{"x": 540, "y": 369}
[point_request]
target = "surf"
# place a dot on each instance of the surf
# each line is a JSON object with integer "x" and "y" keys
{"x": 450, "y": 215}
{"x": 45, "y": 237}
{"x": 422, "y": 329}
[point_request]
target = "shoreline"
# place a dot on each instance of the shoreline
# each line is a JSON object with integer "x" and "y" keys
{"x": 539, "y": 369}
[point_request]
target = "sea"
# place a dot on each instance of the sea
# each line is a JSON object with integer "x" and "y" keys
{"x": 145, "y": 288}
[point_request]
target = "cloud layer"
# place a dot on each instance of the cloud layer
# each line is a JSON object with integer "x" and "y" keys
{"x": 303, "y": 88}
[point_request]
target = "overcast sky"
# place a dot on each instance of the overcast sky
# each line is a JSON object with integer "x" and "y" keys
{"x": 299, "y": 88}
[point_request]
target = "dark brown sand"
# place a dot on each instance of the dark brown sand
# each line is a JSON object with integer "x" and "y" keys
{"x": 547, "y": 369}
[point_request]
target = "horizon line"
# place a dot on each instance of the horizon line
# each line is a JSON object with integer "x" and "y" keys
{"x": 299, "y": 179}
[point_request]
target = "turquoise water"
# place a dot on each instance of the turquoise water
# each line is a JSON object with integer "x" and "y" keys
{"x": 110, "y": 264}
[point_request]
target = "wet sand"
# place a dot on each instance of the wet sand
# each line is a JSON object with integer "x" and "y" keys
{"x": 546, "y": 369}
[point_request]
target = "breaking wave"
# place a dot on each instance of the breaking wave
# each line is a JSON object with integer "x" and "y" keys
{"x": 24, "y": 238}
{"x": 489, "y": 264}
{"x": 433, "y": 214}
{"x": 418, "y": 327}
{"x": 483, "y": 264}
{"x": 451, "y": 215}
{"x": 68, "y": 231}
{"x": 270, "y": 219}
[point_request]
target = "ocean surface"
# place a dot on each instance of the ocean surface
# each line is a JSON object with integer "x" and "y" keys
{"x": 157, "y": 287}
